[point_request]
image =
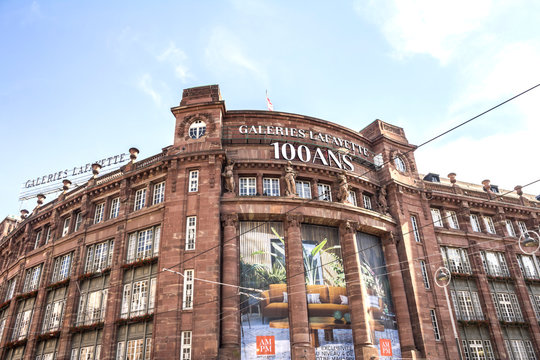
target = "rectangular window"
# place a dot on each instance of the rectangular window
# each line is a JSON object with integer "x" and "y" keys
{"x": 191, "y": 232}
{"x": 456, "y": 259}
{"x": 86, "y": 353}
{"x": 194, "y": 181}
{"x": 135, "y": 350}
{"x": 528, "y": 267}
{"x": 488, "y": 222}
{"x": 475, "y": 224}
{"x": 115, "y": 208}
{"x": 271, "y": 187}
{"x": 520, "y": 349}
{"x": 2, "y": 325}
{"x": 31, "y": 280}
{"x": 494, "y": 263}
{"x": 140, "y": 199}
{"x": 62, "y": 265}
{"x": 10, "y": 289}
{"x": 435, "y": 324}
{"x": 510, "y": 228}
{"x": 452, "y": 219}
{"x": 415, "y": 229}
{"x": 436, "y": 216}
{"x": 325, "y": 192}
{"x": 22, "y": 325}
{"x": 507, "y": 307}
{"x": 248, "y": 186}
{"x": 467, "y": 305}
{"x": 159, "y": 193}
{"x": 99, "y": 256}
{"x": 78, "y": 221}
{"x": 187, "y": 297}
{"x": 535, "y": 301}
{"x": 352, "y": 197}
{"x": 522, "y": 227}
{"x": 143, "y": 244}
{"x": 138, "y": 298}
{"x": 303, "y": 189}
{"x": 65, "y": 228}
{"x": 38, "y": 239}
{"x": 48, "y": 235}
{"x": 478, "y": 350}
{"x": 92, "y": 306}
{"x": 98, "y": 216}
{"x": 367, "y": 201}
{"x": 185, "y": 346}
{"x": 425, "y": 276}
{"x": 54, "y": 312}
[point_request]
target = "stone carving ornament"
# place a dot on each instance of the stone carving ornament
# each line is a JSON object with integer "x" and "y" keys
{"x": 343, "y": 193}
{"x": 229, "y": 176}
{"x": 290, "y": 184}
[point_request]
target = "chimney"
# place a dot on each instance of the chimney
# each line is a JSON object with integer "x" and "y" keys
{"x": 201, "y": 95}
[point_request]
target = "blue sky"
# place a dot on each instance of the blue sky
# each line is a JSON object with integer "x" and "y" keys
{"x": 85, "y": 80}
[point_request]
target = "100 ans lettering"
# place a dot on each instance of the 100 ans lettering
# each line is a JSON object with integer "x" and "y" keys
{"x": 288, "y": 152}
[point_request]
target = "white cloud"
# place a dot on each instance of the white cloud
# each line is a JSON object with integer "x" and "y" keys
{"x": 145, "y": 84}
{"x": 225, "y": 52}
{"x": 177, "y": 59}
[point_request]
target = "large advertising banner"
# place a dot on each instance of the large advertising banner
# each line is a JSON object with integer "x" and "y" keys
{"x": 381, "y": 315}
{"x": 328, "y": 303}
{"x": 264, "y": 310}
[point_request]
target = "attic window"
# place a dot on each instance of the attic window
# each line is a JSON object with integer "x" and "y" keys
{"x": 400, "y": 164}
{"x": 494, "y": 188}
{"x": 431, "y": 177}
{"x": 197, "y": 129}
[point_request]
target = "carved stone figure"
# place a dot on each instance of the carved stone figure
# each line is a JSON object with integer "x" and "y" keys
{"x": 290, "y": 175}
{"x": 383, "y": 203}
{"x": 229, "y": 176}
{"x": 343, "y": 193}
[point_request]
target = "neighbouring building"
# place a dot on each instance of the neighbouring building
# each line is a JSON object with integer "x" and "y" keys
{"x": 269, "y": 235}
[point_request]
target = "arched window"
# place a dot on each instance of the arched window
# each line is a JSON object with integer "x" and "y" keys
{"x": 197, "y": 129}
{"x": 400, "y": 164}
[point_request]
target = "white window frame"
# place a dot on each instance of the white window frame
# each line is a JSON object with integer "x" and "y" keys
{"x": 99, "y": 256}
{"x": 400, "y": 164}
{"x": 54, "y": 314}
{"x": 425, "y": 275}
{"x": 31, "y": 280}
{"x": 38, "y": 239}
{"x": 248, "y": 186}
{"x": 495, "y": 263}
{"x": 436, "y": 217}
{"x": 467, "y": 305}
{"x": 490, "y": 226}
{"x": 415, "y": 229}
{"x": 452, "y": 219}
{"x": 194, "y": 181}
{"x": 115, "y": 208}
{"x": 143, "y": 244}
{"x": 65, "y": 228}
{"x": 197, "y": 129}
{"x": 456, "y": 259}
{"x": 140, "y": 199}
{"x": 527, "y": 266}
{"x": 10, "y": 289}
{"x": 271, "y": 187}
{"x": 325, "y": 192}
{"x": 478, "y": 349}
{"x": 522, "y": 227}
{"x": 48, "y": 235}
{"x": 435, "y": 324}
{"x": 138, "y": 298}
{"x": 188, "y": 289}
{"x": 475, "y": 223}
{"x": 78, "y": 221}
{"x": 61, "y": 268}
{"x": 510, "y": 228}
{"x": 98, "y": 214}
{"x": 303, "y": 189}
{"x": 191, "y": 232}
{"x": 159, "y": 193}
{"x": 507, "y": 306}
{"x": 92, "y": 307}
{"x": 22, "y": 325}
{"x": 366, "y": 199}
{"x": 185, "y": 345}
{"x": 351, "y": 197}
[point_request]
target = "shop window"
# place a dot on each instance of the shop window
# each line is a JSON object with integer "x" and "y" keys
{"x": 191, "y": 232}
{"x": 271, "y": 187}
{"x": 436, "y": 216}
{"x": 62, "y": 265}
{"x": 197, "y": 129}
{"x": 475, "y": 224}
{"x": 159, "y": 193}
{"x": 325, "y": 192}
{"x": 98, "y": 215}
{"x": 99, "y": 256}
{"x": 138, "y": 298}
{"x": 248, "y": 186}
{"x": 187, "y": 294}
{"x": 31, "y": 279}
{"x": 92, "y": 307}
{"x": 115, "y": 208}
{"x": 140, "y": 199}
{"x": 303, "y": 189}
{"x": 194, "y": 181}
{"x": 143, "y": 244}
{"x": 451, "y": 216}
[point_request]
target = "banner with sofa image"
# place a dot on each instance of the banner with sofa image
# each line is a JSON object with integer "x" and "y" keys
{"x": 328, "y": 303}
{"x": 264, "y": 315}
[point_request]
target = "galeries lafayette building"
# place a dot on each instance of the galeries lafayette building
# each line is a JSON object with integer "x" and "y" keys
{"x": 268, "y": 235}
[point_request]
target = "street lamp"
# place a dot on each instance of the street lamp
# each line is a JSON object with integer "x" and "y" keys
{"x": 530, "y": 240}
{"x": 442, "y": 279}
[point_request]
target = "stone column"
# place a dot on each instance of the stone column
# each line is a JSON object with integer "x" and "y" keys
{"x": 399, "y": 297}
{"x": 296, "y": 287}
{"x": 230, "y": 319}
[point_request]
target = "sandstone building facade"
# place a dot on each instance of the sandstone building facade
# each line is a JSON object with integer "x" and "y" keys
{"x": 272, "y": 235}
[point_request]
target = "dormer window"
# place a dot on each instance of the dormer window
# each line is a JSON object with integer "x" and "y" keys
{"x": 400, "y": 164}
{"x": 197, "y": 129}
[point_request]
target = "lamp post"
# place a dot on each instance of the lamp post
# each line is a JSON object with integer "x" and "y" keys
{"x": 442, "y": 279}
